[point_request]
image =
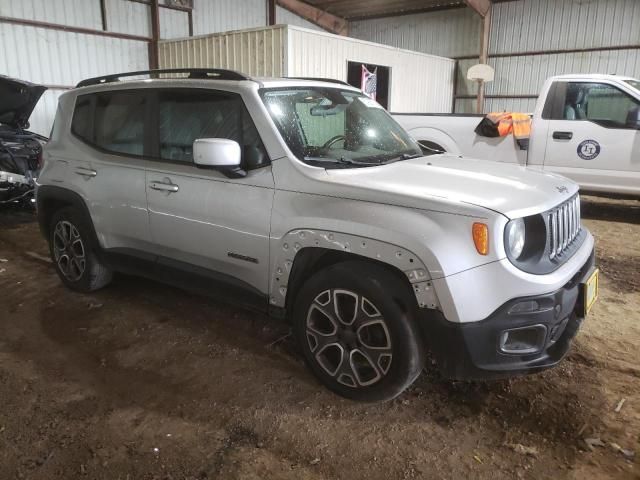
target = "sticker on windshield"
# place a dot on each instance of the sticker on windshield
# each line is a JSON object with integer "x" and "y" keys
{"x": 588, "y": 150}
{"x": 369, "y": 102}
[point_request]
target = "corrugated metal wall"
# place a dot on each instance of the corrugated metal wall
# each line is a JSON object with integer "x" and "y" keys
{"x": 295, "y": 51}
{"x": 449, "y": 33}
{"x": 211, "y": 16}
{"x": 259, "y": 52}
{"x": 284, "y": 16}
{"x": 520, "y": 28}
{"x": 60, "y": 59}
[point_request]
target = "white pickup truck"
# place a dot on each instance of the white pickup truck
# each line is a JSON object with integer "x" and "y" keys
{"x": 585, "y": 127}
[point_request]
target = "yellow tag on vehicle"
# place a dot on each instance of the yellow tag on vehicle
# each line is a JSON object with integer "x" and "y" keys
{"x": 590, "y": 293}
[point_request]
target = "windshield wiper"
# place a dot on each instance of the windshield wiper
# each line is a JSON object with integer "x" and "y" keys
{"x": 404, "y": 156}
{"x": 341, "y": 161}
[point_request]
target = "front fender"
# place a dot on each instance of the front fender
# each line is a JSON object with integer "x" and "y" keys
{"x": 295, "y": 241}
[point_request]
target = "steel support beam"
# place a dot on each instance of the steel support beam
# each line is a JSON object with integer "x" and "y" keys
{"x": 271, "y": 12}
{"x": 155, "y": 36}
{"x": 482, "y": 8}
{"x": 323, "y": 19}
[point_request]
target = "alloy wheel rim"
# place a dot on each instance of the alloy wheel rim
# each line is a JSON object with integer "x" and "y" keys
{"x": 349, "y": 338}
{"x": 68, "y": 250}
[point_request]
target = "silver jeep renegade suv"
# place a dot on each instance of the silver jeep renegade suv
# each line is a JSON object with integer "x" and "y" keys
{"x": 303, "y": 198}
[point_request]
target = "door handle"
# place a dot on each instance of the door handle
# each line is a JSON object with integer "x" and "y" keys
{"x": 85, "y": 172}
{"x": 164, "y": 187}
{"x": 562, "y": 135}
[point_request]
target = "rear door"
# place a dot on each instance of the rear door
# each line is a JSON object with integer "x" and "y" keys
{"x": 589, "y": 139}
{"x": 200, "y": 219}
{"x": 107, "y": 168}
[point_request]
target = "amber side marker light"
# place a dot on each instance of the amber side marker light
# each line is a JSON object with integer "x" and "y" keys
{"x": 481, "y": 238}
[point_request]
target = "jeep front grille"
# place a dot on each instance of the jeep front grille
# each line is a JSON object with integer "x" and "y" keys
{"x": 564, "y": 226}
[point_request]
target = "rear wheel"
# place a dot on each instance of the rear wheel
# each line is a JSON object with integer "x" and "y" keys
{"x": 355, "y": 325}
{"x": 74, "y": 253}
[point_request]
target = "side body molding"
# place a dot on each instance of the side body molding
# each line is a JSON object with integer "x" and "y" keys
{"x": 402, "y": 259}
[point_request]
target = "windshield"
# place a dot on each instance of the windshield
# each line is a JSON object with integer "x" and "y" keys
{"x": 634, "y": 83}
{"x": 336, "y": 128}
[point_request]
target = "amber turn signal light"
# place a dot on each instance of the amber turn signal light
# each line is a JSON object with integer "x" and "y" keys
{"x": 481, "y": 238}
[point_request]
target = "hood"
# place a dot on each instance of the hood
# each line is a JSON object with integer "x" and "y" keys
{"x": 17, "y": 100}
{"x": 511, "y": 190}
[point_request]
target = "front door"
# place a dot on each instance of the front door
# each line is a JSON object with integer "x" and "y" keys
{"x": 589, "y": 139}
{"x": 200, "y": 219}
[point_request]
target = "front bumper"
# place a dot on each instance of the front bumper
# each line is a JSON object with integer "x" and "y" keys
{"x": 476, "y": 350}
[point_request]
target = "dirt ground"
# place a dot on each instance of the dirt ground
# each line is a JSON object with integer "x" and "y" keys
{"x": 143, "y": 381}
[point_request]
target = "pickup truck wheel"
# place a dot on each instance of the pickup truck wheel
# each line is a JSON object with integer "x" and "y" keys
{"x": 73, "y": 252}
{"x": 354, "y": 323}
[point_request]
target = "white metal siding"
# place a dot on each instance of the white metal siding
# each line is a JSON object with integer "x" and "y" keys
{"x": 419, "y": 82}
{"x": 520, "y": 27}
{"x": 258, "y": 52}
{"x": 173, "y": 23}
{"x": 128, "y": 17}
{"x": 55, "y": 57}
{"x": 450, "y": 33}
{"x": 76, "y": 13}
{"x": 211, "y": 16}
{"x": 534, "y": 25}
{"x": 284, "y": 16}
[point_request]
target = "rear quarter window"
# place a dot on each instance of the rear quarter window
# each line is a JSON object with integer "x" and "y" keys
{"x": 112, "y": 121}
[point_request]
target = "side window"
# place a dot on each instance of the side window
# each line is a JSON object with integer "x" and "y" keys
{"x": 598, "y": 102}
{"x": 119, "y": 122}
{"x": 82, "y": 122}
{"x": 186, "y": 115}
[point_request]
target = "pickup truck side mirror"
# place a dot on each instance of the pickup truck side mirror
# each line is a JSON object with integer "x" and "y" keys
{"x": 633, "y": 118}
{"x": 219, "y": 154}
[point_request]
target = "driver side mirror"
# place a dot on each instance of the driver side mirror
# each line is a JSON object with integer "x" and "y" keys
{"x": 219, "y": 154}
{"x": 633, "y": 118}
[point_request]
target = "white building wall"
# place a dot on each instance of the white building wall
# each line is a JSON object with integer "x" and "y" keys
{"x": 133, "y": 18}
{"x": 284, "y": 16}
{"x": 173, "y": 23}
{"x": 212, "y": 16}
{"x": 519, "y": 29}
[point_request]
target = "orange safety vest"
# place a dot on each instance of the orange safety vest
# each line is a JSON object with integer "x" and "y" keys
{"x": 504, "y": 123}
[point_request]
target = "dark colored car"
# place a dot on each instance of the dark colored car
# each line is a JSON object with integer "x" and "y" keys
{"x": 20, "y": 149}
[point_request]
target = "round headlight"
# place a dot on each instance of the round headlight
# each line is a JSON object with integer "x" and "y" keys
{"x": 515, "y": 238}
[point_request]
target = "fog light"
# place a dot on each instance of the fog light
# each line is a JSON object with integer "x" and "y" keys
{"x": 523, "y": 341}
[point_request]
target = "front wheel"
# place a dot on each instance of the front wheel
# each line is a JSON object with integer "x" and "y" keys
{"x": 355, "y": 325}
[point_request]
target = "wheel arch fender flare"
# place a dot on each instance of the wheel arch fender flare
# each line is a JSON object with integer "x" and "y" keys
{"x": 297, "y": 241}
{"x": 50, "y": 198}
{"x": 436, "y": 136}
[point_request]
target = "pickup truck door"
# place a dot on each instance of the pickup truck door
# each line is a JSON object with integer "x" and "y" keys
{"x": 202, "y": 221}
{"x": 590, "y": 139}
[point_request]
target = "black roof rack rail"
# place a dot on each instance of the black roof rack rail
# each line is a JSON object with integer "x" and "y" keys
{"x": 320, "y": 79}
{"x": 201, "y": 73}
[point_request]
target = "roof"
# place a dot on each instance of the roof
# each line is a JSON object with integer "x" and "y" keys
{"x": 204, "y": 75}
{"x": 358, "y": 9}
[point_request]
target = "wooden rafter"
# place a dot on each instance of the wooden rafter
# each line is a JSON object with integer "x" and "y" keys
{"x": 323, "y": 19}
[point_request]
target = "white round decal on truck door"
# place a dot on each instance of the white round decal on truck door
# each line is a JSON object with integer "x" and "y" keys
{"x": 588, "y": 150}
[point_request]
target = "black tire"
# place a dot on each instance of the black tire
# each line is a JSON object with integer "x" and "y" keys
{"x": 395, "y": 304}
{"x": 94, "y": 274}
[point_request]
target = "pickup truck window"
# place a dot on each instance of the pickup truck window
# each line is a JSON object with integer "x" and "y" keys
{"x": 634, "y": 83}
{"x": 598, "y": 102}
{"x": 336, "y": 128}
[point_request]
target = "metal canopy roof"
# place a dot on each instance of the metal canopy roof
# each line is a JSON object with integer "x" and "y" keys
{"x": 355, "y": 9}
